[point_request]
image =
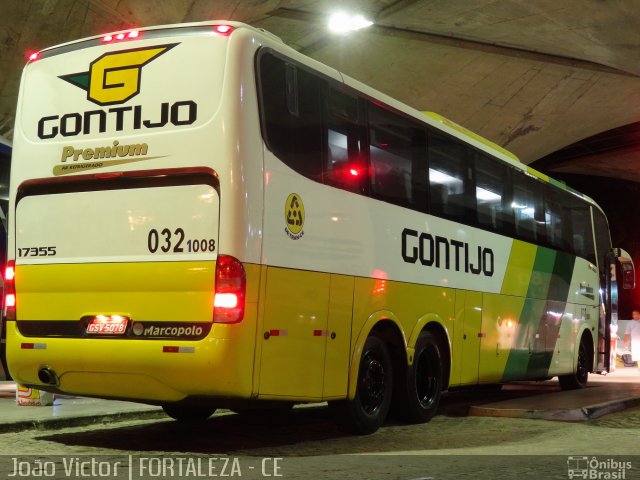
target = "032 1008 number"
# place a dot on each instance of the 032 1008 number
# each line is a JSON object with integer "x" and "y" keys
{"x": 167, "y": 241}
{"x": 36, "y": 251}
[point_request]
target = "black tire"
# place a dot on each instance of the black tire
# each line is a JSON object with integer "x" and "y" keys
{"x": 577, "y": 379}
{"x": 424, "y": 380}
{"x": 368, "y": 410}
{"x": 187, "y": 414}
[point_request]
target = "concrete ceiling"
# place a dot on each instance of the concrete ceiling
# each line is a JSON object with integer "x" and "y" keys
{"x": 534, "y": 77}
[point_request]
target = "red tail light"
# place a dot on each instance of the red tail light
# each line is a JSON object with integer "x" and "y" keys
{"x": 231, "y": 285}
{"x": 10, "y": 292}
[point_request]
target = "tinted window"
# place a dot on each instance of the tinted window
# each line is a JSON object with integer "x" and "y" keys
{"x": 603, "y": 239}
{"x": 344, "y": 165}
{"x": 448, "y": 174}
{"x": 397, "y": 152}
{"x": 579, "y": 216}
{"x": 527, "y": 208}
{"x": 292, "y": 118}
{"x": 491, "y": 190}
{"x": 557, "y": 221}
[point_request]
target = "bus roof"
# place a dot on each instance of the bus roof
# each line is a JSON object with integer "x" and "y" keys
{"x": 431, "y": 118}
{"x": 180, "y": 28}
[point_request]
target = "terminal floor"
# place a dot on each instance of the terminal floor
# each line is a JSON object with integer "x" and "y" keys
{"x": 542, "y": 400}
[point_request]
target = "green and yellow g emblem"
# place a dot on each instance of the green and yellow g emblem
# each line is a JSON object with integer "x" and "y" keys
{"x": 115, "y": 77}
{"x": 294, "y": 216}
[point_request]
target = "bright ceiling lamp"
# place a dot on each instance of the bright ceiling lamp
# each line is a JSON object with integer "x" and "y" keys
{"x": 341, "y": 22}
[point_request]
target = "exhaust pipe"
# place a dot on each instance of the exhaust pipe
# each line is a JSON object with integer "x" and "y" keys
{"x": 47, "y": 376}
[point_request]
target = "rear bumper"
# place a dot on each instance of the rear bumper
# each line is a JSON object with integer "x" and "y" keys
{"x": 142, "y": 370}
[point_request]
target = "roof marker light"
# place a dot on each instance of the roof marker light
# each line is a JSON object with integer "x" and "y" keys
{"x": 223, "y": 29}
{"x": 129, "y": 35}
{"x": 32, "y": 56}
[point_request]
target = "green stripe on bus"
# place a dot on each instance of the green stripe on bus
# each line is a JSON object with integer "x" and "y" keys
{"x": 538, "y": 327}
{"x": 518, "y": 274}
{"x": 525, "y": 343}
{"x": 561, "y": 278}
{"x": 542, "y": 273}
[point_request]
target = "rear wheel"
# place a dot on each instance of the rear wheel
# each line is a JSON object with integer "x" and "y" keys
{"x": 577, "y": 379}
{"x": 368, "y": 410}
{"x": 187, "y": 414}
{"x": 424, "y": 380}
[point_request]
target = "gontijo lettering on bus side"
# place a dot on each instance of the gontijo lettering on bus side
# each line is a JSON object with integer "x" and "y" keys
{"x": 440, "y": 252}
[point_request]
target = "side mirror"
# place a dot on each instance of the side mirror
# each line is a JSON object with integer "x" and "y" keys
{"x": 628, "y": 270}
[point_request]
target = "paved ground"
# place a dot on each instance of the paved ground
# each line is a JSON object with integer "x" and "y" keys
{"x": 306, "y": 444}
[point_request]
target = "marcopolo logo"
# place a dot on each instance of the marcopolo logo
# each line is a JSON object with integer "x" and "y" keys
{"x": 115, "y": 77}
{"x": 170, "y": 330}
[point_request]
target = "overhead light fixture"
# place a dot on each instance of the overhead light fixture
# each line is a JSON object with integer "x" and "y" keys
{"x": 342, "y": 22}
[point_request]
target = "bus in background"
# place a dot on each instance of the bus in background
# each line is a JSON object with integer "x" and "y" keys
{"x": 5, "y": 168}
{"x": 269, "y": 231}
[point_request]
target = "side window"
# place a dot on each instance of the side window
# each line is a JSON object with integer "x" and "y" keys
{"x": 493, "y": 210}
{"x": 557, "y": 220}
{"x": 291, "y": 114}
{"x": 397, "y": 152}
{"x": 603, "y": 239}
{"x": 579, "y": 216}
{"x": 344, "y": 165}
{"x": 527, "y": 206}
{"x": 448, "y": 178}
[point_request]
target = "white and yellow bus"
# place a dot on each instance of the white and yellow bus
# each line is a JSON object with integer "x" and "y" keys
{"x": 202, "y": 217}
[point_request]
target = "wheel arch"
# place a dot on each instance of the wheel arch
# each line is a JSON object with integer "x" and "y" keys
{"x": 439, "y": 331}
{"x": 385, "y": 325}
{"x": 586, "y": 335}
{"x": 435, "y": 325}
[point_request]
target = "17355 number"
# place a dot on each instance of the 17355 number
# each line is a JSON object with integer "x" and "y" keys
{"x": 36, "y": 252}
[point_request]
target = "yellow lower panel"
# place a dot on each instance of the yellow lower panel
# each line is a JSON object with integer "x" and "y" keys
{"x": 144, "y": 290}
{"x": 294, "y": 338}
{"x": 409, "y": 303}
{"x": 137, "y": 369}
{"x": 221, "y": 364}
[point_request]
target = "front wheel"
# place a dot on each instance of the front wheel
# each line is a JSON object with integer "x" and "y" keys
{"x": 187, "y": 414}
{"x": 577, "y": 379}
{"x": 368, "y": 410}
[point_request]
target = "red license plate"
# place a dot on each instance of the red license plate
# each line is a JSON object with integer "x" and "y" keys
{"x": 107, "y": 325}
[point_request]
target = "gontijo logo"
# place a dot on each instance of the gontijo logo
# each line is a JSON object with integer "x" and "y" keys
{"x": 115, "y": 77}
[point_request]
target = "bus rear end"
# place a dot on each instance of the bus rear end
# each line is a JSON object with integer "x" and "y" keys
{"x": 123, "y": 154}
